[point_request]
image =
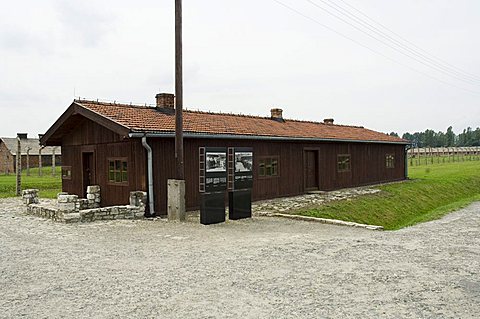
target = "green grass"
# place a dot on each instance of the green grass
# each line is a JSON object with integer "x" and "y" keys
{"x": 49, "y": 186}
{"x": 432, "y": 192}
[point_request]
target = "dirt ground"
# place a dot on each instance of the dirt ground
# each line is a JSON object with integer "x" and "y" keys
{"x": 258, "y": 268}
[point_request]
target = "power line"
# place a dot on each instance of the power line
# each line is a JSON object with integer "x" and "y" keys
{"x": 396, "y": 46}
{"x": 406, "y": 45}
{"x": 412, "y": 44}
{"x": 372, "y": 50}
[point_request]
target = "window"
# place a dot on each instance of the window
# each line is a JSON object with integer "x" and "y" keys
{"x": 390, "y": 161}
{"x": 66, "y": 172}
{"x": 118, "y": 171}
{"x": 268, "y": 167}
{"x": 343, "y": 163}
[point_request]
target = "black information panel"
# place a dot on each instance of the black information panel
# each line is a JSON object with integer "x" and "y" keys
{"x": 212, "y": 210}
{"x": 215, "y": 169}
{"x": 213, "y": 184}
{"x": 243, "y": 173}
{"x": 240, "y": 197}
{"x": 240, "y": 204}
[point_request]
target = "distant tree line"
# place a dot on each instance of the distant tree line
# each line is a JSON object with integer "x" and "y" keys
{"x": 430, "y": 138}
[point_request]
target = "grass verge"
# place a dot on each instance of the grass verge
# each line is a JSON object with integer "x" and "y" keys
{"x": 49, "y": 186}
{"x": 431, "y": 192}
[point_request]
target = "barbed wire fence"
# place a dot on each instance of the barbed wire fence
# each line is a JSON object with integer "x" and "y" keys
{"x": 435, "y": 155}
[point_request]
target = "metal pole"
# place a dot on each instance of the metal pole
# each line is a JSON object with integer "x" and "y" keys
{"x": 179, "y": 92}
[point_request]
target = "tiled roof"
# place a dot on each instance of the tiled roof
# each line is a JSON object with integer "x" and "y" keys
{"x": 32, "y": 144}
{"x": 152, "y": 120}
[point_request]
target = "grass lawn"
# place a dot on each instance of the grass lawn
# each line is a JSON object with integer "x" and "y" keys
{"x": 432, "y": 192}
{"x": 49, "y": 186}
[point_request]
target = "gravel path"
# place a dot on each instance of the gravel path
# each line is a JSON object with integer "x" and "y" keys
{"x": 258, "y": 268}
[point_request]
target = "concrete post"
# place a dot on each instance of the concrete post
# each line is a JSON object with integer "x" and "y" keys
{"x": 53, "y": 161}
{"x": 176, "y": 200}
{"x": 19, "y": 167}
{"x": 40, "y": 173}
{"x": 7, "y": 164}
{"x": 28, "y": 161}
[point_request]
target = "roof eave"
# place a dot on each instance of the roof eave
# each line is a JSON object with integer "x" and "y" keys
{"x": 137, "y": 134}
{"x": 76, "y": 108}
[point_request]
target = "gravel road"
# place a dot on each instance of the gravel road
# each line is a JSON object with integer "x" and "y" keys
{"x": 259, "y": 268}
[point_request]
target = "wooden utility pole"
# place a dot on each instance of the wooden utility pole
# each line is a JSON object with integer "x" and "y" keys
{"x": 179, "y": 92}
{"x": 176, "y": 187}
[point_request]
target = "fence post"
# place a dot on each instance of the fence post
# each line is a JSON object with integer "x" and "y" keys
{"x": 7, "y": 164}
{"x": 19, "y": 167}
{"x": 53, "y": 161}
{"x": 40, "y": 161}
{"x": 28, "y": 161}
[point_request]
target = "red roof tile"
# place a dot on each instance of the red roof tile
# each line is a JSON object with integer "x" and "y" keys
{"x": 149, "y": 119}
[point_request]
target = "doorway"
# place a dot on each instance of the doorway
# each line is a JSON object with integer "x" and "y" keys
{"x": 88, "y": 175}
{"x": 311, "y": 170}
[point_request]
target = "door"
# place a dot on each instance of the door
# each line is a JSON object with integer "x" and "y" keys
{"x": 88, "y": 170}
{"x": 311, "y": 170}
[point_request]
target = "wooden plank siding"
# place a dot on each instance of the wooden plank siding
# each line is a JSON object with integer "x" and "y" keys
{"x": 368, "y": 164}
{"x": 91, "y": 137}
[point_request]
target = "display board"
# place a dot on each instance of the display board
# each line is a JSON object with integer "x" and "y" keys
{"x": 240, "y": 167}
{"x": 240, "y": 182}
{"x": 213, "y": 169}
{"x": 212, "y": 184}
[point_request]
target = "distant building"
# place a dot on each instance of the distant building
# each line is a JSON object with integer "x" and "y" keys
{"x": 102, "y": 145}
{"x": 8, "y": 153}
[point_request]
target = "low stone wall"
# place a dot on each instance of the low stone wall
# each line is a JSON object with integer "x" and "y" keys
{"x": 45, "y": 212}
{"x": 111, "y": 213}
{"x": 71, "y": 209}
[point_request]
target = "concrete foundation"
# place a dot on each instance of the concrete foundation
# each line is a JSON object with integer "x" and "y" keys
{"x": 176, "y": 200}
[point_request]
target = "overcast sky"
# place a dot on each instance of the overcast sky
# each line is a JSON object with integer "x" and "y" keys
{"x": 245, "y": 57}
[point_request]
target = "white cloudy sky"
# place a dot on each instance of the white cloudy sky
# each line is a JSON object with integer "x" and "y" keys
{"x": 243, "y": 57}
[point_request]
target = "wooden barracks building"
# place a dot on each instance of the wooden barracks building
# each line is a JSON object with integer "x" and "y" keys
{"x": 102, "y": 145}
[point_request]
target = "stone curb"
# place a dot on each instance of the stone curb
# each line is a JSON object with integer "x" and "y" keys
{"x": 321, "y": 220}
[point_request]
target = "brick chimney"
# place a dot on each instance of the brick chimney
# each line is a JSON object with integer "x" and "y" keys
{"x": 165, "y": 100}
{"x": 328, "y": 121}
{"x": 276, "y": 114}
{"x": 22, "y": 136}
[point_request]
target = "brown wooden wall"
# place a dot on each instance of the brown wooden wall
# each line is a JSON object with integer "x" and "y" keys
{"x": 89, "y": 137}
{"x": 368, "y": 164}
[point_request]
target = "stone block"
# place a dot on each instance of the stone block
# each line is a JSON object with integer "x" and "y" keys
{"x": 67, "y": 198}
{"x": 138, "y": 198}
{"x": 93, "y": 189}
